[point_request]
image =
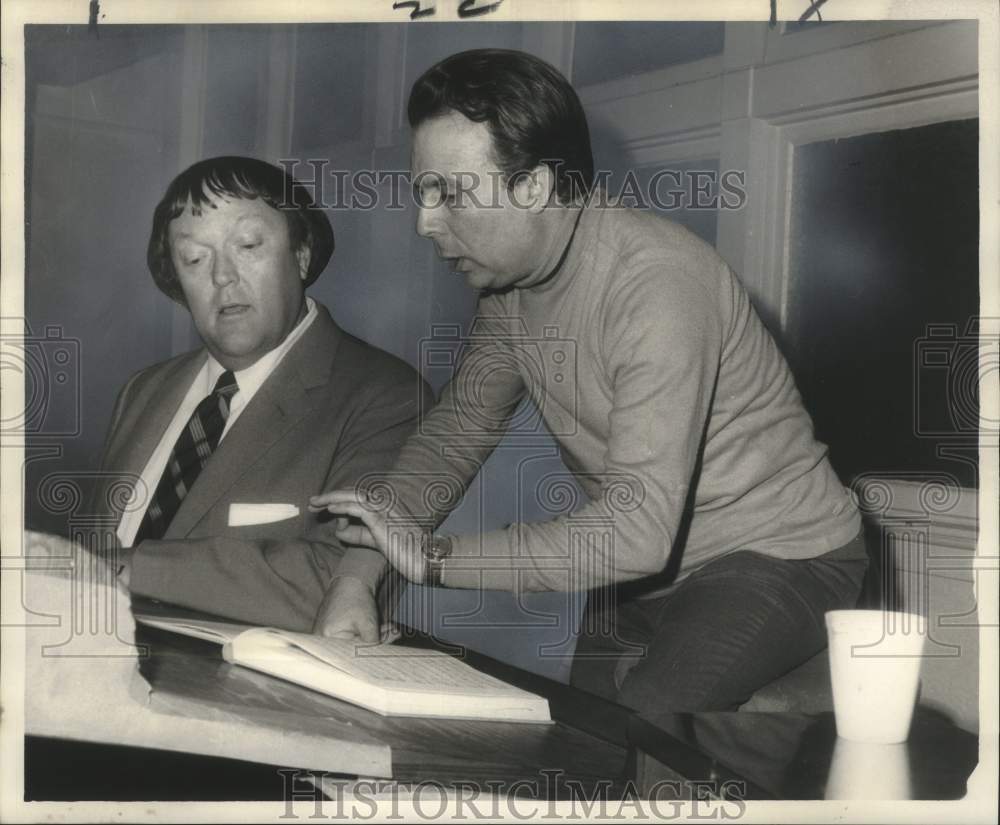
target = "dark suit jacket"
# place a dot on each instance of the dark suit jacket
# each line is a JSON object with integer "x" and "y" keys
{"x": 333, "y": 410}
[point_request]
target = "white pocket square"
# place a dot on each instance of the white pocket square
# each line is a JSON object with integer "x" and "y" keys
{"x": 241, "y": 515}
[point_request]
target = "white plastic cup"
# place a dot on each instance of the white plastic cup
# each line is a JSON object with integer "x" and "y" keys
{"x": 861, "y": 770}
{"x": 875, "y": 658}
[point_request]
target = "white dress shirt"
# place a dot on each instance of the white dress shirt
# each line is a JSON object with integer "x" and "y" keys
{"x": 249, "y": 380}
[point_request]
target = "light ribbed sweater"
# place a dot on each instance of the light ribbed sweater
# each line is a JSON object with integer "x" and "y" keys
{"x": 671, "y": 405}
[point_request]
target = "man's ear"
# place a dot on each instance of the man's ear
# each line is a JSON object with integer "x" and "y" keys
{"x": 304, "y": 256}
{"x": 539, "y": 187}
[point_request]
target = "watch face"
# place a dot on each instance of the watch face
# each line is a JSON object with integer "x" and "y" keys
{"x": 438, "y": 548}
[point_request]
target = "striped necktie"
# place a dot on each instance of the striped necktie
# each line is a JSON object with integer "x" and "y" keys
{"x": 191, "y": 453}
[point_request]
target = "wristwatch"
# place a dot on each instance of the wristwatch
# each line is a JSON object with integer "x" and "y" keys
{"x": 435, "y": 549}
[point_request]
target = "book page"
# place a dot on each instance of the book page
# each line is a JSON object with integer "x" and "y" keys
{"x": 395, "y": 666}
{"x": 209, "y": 630}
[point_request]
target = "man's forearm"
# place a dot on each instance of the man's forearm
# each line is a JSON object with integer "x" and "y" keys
{"x": 367, "y": 566}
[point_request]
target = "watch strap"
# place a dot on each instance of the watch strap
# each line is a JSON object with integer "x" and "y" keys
{"x": 436, "y": 548}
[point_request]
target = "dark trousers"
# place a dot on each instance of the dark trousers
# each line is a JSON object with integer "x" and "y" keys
{"x": 728, "y": 629}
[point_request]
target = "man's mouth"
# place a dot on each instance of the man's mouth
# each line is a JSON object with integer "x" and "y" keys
{"x": 233, "y": 310}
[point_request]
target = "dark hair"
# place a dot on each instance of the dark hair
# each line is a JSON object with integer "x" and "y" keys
{"x": 532, "y": 112}
{"x": 238, "y": 177}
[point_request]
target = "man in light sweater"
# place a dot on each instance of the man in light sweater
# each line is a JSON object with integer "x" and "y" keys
{"x": 722, "y": 532}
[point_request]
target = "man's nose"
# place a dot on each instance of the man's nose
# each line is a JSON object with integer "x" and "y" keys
{"x": 429, "y": 221}
{"x": 224, "y": 271}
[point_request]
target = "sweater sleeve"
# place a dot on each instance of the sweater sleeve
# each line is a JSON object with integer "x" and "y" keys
{"x": 437, "y": 463}
{"x": 660, "y": 344}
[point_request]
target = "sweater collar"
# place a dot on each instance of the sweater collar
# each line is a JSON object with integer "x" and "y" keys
{"x": 563, "y": 256}
{"x": 555, "y": 258}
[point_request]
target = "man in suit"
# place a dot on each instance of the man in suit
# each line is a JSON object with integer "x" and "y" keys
{"x": 225, "y": 444}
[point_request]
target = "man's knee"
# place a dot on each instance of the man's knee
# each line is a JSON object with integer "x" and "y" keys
{"x": 643, "y": 689}
{"x": 593, "y": 673}
{"x": 676, "y": 687}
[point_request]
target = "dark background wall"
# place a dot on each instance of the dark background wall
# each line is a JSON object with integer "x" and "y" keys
{"x": 881, "y": 221}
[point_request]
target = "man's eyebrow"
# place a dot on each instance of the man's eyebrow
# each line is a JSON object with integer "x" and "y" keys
{"x": 244, "y": 218}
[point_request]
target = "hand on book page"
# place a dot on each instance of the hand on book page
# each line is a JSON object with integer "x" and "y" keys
{"x": 348, "y": 611}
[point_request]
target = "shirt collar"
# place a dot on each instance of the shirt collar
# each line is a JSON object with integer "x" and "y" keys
{"x": 251, "y": 378}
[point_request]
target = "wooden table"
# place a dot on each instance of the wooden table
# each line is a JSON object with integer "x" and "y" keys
{"x": 799, "y": 756}
{"x": 594, "y": 749}
{"x": 584, "y": 750}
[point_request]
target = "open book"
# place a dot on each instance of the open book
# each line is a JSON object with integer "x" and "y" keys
{"x": 392, "y": 680}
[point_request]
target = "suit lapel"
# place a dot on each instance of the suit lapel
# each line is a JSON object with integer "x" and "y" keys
{"x": 280, "y": 403}
{"x": 146, "y": 418}
{"x": 135, "y": 434}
